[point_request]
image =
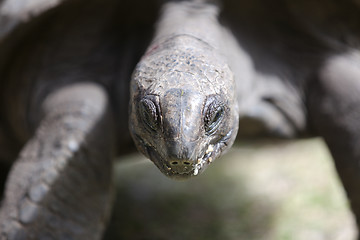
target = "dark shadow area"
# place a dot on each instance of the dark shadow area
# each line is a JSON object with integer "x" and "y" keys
{"x": 4, "y": 170}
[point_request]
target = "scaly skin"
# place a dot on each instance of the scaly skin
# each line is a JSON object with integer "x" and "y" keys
{"x": 58, "y": 99}
{"x": 60, "y": 186}
{"x": 184, "y": 111}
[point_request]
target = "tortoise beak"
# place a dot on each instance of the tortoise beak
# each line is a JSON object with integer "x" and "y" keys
{"x": 181, "y": 156}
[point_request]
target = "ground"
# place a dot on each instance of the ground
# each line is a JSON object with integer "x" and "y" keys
{"x": 282, "y": 190}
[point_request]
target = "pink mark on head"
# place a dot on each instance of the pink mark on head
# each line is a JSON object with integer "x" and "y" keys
{"x": 151, "y": 50}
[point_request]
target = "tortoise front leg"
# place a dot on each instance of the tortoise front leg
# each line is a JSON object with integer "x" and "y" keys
{"x": 60, "y": 185}
{"x": 334, "y": 106}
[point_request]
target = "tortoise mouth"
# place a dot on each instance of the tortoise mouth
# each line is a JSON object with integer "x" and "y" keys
{"x": 165, "y": 167}
{"x": 212, "y": 152}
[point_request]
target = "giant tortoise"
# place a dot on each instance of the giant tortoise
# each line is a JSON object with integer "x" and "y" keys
{"x": 195, "y": 74}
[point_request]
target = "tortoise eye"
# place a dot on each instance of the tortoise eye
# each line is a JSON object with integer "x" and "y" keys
{"x": 149, "y": 114}
{"x": 213, "y": 116}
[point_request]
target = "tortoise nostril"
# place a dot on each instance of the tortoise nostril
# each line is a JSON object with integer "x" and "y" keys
{"x": 180, "y": 162}
{"x": 181, "y": 166}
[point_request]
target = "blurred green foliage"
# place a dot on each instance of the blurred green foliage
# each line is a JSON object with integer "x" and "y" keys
{"x": 267, "y": 190}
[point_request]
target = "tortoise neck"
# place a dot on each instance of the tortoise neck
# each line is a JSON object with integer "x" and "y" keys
{"x": 193, "y": 19}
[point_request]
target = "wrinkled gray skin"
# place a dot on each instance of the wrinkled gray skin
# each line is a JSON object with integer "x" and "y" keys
{"x": 184, "y": 111}
{"x": 285, "y": 68}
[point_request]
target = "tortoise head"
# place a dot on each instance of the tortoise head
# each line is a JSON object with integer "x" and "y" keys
{"x": 183, "y": 108}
